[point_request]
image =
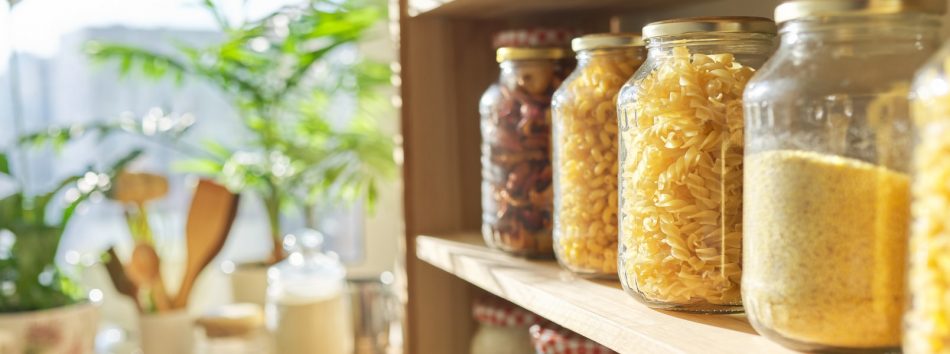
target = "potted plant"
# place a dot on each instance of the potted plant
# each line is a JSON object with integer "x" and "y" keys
{"x": 41, "y": 307}
{"x": 277, "y": 72}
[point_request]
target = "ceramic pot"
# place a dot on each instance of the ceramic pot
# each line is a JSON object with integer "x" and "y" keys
{"x": 167, "y": 332}
{"x": 249, "y": 283}
{"x": 67, "y": 329}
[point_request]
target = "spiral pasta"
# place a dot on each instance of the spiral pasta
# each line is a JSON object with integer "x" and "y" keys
{"x": 681, "y": 181}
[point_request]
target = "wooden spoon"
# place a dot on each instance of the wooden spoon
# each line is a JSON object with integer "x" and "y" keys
{"x": 136, "y": 189}
{"x": 145, "y": 271}
{"x": 213, "y": 209}
{"x": 120, "y": 279}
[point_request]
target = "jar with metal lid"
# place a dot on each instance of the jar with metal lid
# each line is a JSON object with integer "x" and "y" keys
{"x": 927, "y": 319}
{"x": 584, "y": 142}
{"x": 827, "y": 157}
{"x": 516, "y": 154}
{"x": 502, "y": 328}
{"x": 681, "y": 162}
{"x": 549, "y": 338}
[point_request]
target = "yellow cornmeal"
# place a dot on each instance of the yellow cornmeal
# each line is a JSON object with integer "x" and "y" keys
{"x": 824, "y": 248}
{"x": 928, "y": 316}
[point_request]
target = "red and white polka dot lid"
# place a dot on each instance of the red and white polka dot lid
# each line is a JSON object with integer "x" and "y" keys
{"x": 549, "y": 338}
{"x": 497, "y": 312}
{"x": 535, "y": 38}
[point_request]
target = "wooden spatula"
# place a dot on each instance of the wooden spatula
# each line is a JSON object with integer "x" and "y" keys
{"x": 213, "y": 209}
{"x": 145, "y": 271}
{"x": 121, "y": 281}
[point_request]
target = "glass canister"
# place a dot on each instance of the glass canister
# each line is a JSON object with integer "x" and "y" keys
{"x": 584, "y": 156}
{"x": 516, "y": 154}
{"x": 927, "y": 320}
{"x": 306, "y": 309}
{"x": 681, "y": 162}
{"x": 827, "y": 156}
{"x": 502, "y": 328}
{"x": 549, "y": 338}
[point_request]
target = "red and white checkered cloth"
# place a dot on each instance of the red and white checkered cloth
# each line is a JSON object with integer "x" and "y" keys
{"x": 549, "y": 338}
{"x": 498, "y": 312}
{"x": 535, "y": 38}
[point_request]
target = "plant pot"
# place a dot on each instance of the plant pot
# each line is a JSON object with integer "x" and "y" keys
{"x": 169, "y": 332}
{"x": 67, "y": 329}
{"x": 249, "y": 283}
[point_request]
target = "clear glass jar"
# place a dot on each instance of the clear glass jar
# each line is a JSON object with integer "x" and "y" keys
{"x": 584, "y": 152}
{"x": 681, "y": 162}
{"x": 927, "y": 319}
{"x": 502, "y": 328}
{"x": 306, "y": 309}
{"x": 516, "y": 140}
{"x": 828, "y": 146}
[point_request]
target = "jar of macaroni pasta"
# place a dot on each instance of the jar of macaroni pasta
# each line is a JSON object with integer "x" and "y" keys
{"x": 927, "y": 319}
{"x": 585, "y": 152}
{"x": 681, "y": 162}
{"x": 827, "y": 162}
{"x": 517, "y": 192}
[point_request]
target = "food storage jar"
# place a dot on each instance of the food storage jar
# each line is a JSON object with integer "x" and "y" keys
{"x": 827, "y": 156}
{"x": 549, "y": 338}
{"x": 306, "y": 309}
{"x": 681, "y": 162}
{"x": 584, "y": 156}
{"x": 927, "y": 319}
{"x": 502, "y": 328}
{"x": 233, "y": 329}
{"x": 516, "y": 154}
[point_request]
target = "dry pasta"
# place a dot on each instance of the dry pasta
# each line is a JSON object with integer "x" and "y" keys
{"x": 585, "y": 161}
{"x": 681, "y": 181}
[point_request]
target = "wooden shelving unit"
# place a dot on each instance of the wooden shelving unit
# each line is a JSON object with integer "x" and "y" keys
{"x": 599, "y": 310}
{"x": 446, "y": 62}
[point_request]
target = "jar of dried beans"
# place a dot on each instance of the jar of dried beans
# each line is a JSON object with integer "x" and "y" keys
{"x": 516, "y": 151}
{"x": 827, "y": 162}
{"x": 585, "y": 152}
{"x": 681, "y": 141}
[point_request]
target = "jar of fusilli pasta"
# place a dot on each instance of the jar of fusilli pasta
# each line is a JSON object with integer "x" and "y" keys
{"x": 585, "y": 152}
{"x": 516, "y": 151}
{"x": 827, "y": 161}
{"x": 927, "y": 319}
{"x": 681, "y": 140}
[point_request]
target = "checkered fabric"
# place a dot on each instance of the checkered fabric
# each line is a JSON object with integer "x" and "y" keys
{"x": 535, "y": 37}
{"x": 498, "y": 312}
{"x": 549, "y": 338}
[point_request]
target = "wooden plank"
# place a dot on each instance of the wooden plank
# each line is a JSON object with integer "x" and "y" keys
{"x": 599, "y": 310}
{"x": 511, "y": 8}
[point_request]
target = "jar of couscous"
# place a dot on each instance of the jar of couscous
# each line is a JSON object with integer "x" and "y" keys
{"x": 517, "y": 191}
{"x": 681, "y": 162}
{"x": 827, "y": 162}
{"x": 927, "y": 319}
{"x": 585, "y": 152}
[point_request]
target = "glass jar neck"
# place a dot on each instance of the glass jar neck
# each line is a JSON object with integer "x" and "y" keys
{"x": 712, "y": 43}
{"x": 867, "y": 33}
{"x": 585, "y": 56}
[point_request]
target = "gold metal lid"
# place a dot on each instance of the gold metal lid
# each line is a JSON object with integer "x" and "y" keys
{"x": 791, "y": 10}
{"x": 730, "y": 24}
{"x": 515, "y": 53}
{"x": 606, "y": 40}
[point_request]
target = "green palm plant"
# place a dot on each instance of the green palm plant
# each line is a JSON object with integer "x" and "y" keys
{"x": 277, "y": 72}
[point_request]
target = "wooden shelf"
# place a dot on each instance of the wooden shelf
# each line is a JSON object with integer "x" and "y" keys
{"x": 599, "y": 310}
{"x": 507, "y": 8}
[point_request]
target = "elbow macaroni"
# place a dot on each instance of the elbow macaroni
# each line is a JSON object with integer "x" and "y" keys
{"x": 681, "y": 181}
{"x": 585, "y": 161}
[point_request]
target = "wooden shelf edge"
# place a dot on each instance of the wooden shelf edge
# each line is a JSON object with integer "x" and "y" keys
{"x": 599, "y": 310}
{"x": 508, "y": 8}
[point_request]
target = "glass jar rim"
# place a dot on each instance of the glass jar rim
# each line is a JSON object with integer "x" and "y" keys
{"x": 516, "y": 53}
{"x": 798, "y": 9}
{"x": 723, "y": 24}
{"x": 606, "y": 41}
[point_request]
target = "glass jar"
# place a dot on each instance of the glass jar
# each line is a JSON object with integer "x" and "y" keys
{"x": 681, "y": 162}
{"x": 828, "y": 146}
{"x": 927, "y": 319}
{"x": 502, "y": 328}
{"x": 233, "y": 329}
{"x": 584, "y": 152}
{"x": 306, "y": 308}
{"x": 516, "y": 155}
{"x": 549, "y": 338}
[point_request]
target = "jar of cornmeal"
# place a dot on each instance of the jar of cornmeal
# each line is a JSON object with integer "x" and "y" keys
{"x": 584, "y": 144}
{"x": 680, "y": 175}
{"x": 827, "y": 189}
